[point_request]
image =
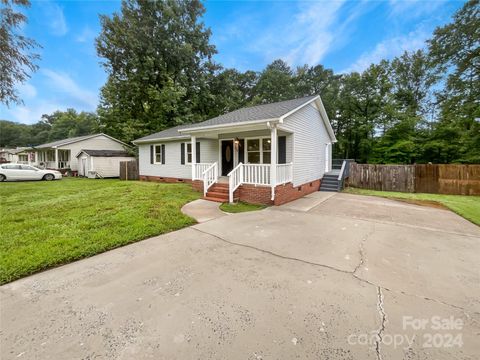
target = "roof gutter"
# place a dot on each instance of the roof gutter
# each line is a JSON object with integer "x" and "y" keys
{"x": 222, "y": 126}
{"x": 147, "y": 141}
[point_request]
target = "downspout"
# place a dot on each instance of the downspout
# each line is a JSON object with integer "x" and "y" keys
{"x": 273, "y": 158}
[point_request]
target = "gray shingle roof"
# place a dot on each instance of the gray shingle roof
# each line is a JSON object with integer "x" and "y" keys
{"x": 106, "y": 153}
{"x": 168, "y": 133}
{"x": 258, "y": 112}
{"x": 64, "y": 141}
{"x": 19, "y": 150}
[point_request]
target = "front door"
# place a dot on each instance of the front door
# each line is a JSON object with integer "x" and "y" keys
{"x": 227, "y": 156}
{"x": 84, "y": 167}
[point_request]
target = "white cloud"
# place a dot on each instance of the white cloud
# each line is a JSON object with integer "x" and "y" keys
{"x": 413, "y": 8}
{"x": 30, "y": 114}
{"x": 58, "y": 92}
{"x": 390, "y": 48}
{"x": 305, "y": 37}
{"x": 54, "y": 18}
{"x": 27, "y": 91}
{"x": 86, "y": 35}
{"x": 65, "y": 86}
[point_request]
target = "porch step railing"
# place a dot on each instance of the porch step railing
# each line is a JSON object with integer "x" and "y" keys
{"x": 210, "y": 177}
{"x": 199, "y": 169}
{"x": 235, "y": 179}
{"x": 257, "y": 174}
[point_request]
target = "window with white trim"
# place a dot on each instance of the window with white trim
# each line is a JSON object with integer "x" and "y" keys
{"x": 258, "y": 151}
{"x": 188, "y": 152}
{"x": 157, "y": 156}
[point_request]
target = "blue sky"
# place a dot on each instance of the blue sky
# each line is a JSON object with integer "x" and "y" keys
{"x": 342, "y": 35}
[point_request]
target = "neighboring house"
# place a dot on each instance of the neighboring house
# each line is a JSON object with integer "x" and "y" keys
{"x": 6, "y": 155}
{"x": 62, "y": 154}
{"x": 20, "y": 155}
{"x": 230, "y": 156}
{"x": 101, "y": 163}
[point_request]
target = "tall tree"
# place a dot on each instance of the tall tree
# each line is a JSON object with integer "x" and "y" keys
{"x": 455, "y": 51}
{"x": 361, "y": 111}
{"x": 316, "y": 80}
{"x": 229, "y": 90}
{"x": 410, "y": 103}
{"x": 70, "y": 123}
{"x": 275, "y": 83}
{"x": 158, "y": 58}
{"x": 13, "y": 134}
{"x": 56, "y": 126}
{"x": 16, "y": 57}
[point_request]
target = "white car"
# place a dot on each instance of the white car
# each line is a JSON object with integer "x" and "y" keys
{"x": 12, "y": 172}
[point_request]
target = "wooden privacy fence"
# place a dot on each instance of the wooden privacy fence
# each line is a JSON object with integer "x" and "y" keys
{"x": 421, "y": 178}
{"x": 128, "y": 170}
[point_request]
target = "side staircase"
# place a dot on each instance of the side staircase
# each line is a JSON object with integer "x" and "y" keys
{"x": 330, "y": 181}
{"x": 218, "y": 192}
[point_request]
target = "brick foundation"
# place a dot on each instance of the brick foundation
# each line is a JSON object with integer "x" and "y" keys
{"x": 283, "y": 193}
{"x": 286, "y": 193}
{"x": 250, "y": 193}
{"x": 164, "y": 179}
{"x": 197, "y": 185}
{"x": 254, "y": 194}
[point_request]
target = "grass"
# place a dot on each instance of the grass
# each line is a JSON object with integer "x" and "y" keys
{"x": 45, "y": 224}
{"x": 240, "y": 207}
{"x": 466, "y": 206}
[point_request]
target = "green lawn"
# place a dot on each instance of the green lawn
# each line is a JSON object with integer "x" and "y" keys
{"x": 466, "y": 206}
{"x": 240, "y": 207}
{"x": 44, "y": 224}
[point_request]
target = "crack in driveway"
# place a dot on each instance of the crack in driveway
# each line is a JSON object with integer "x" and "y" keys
{"x": 352, "y": 273}
{"x": 363, "y": 258}
{"x": 383, "y": 318}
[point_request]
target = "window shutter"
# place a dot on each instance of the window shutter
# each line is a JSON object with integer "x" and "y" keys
{"x": 182, "y": 153}
{"x": 163, "y": 153}
{"x": 198, "y": 152}
{"x": 151, "y": 154}
{"x": 282, "y": 149}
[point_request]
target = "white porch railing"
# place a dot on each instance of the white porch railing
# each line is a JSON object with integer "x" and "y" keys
{"x": 49, "y": 164}
{"x": 63, "y": 164}
{"x": 235, "y": 179}
{"x": 257, "y": 174}
{"x": 210, "y": 177}
{"x": 284, "y": 173}
{"x": 199, "y": 169}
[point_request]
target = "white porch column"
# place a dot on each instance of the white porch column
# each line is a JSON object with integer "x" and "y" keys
{"x": 56, "y": 159}
{"x": 273, "y": 159}
{"x": 194, "y": 155}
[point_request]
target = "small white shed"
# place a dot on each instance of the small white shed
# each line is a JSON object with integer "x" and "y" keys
{"x": 101, "y": 163}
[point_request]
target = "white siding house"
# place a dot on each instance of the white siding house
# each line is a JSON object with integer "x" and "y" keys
{"x": 310, "y": 141}
{"x": 61, "y": 154}
{"x": 101, "y": 163}
{"x": 279, "y": 144}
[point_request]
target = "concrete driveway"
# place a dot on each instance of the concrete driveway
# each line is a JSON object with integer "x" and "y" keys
{"x": 325, "y": 277}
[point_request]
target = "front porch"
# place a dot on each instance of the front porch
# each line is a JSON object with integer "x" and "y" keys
{"x": 224, "y": 188}
{"x": 56, "y": 159}
{"x": 253, "y": 156}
